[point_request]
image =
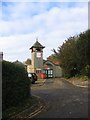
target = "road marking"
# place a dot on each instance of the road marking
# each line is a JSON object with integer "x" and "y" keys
{"x": 31, "y": 115}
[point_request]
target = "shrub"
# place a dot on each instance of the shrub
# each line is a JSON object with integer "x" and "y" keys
{"x": 86, "y": 71}
{"x": 83, "y": 78}
{"x": 15, "y": 85}
{"x": 67, "y": 76}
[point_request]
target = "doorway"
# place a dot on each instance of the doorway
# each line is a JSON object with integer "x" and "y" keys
{"x": 49, "y": 73}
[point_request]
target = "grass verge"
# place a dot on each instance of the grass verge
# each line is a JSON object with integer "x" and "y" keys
{"x": 24, "y": 107}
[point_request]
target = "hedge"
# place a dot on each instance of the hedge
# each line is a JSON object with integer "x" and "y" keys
{"x": 15, "y": 84}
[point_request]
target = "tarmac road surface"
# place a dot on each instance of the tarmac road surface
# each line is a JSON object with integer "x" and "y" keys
{"x": 62, "y": 99}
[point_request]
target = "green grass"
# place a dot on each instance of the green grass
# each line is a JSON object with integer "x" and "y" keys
{"x": 14, "y": 110}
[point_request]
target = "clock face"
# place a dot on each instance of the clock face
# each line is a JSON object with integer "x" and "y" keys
{"x": 38, "y": 54}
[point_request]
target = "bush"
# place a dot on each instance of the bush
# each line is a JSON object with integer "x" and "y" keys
{"x": 67, "y": 76}
{"x": 86, "y": 71}
{"x": 84, "y": 78}
{"x": 15, "y": 85}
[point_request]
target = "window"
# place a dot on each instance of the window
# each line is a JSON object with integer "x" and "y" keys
{"x": 38, "y": 71}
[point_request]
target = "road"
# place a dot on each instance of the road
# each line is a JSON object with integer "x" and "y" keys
{"x": 62, "y": 99}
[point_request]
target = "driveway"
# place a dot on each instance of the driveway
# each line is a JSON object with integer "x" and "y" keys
{"x": 62, "y": 99}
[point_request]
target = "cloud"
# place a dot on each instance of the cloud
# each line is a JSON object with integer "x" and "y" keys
{"x": 18, "y": 10}
{"x": 16, "y": 47}
{"x": 51, "y": 23}
{"x": 45, "y": 0}
{"x": 32, "y": 24}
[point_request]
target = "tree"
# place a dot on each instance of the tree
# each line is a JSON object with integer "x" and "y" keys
{"x": 83, "y": 53}
{"x": 53, "y": 59}
{"x": 74, "y": 54}
{"x": 67, "y": 55}
{"x": 28, "y": 61}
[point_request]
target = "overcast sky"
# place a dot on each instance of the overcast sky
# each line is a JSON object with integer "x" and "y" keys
{"x": 52, "y": 22}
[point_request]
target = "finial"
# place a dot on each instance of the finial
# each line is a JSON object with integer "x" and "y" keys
{"x": 37, "y": 39}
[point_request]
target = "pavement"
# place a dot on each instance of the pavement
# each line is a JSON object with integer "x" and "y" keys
{"x": 41, "y": 106}
{"x": 62, "y": 98}
{"x": 32, "y": 111}
{"x": 41, "y": 82}
{"x": 78, "y": 82}
{"x": 37, "y": 110}
{"x": 74, "y": 81}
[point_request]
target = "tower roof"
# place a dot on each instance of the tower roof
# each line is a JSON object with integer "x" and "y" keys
{"x": 37, "y": 45}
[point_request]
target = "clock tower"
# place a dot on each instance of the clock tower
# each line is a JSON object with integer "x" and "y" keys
{"x": 37, "y": 57}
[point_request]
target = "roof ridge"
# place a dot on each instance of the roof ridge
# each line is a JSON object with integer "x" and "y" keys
{"x": 37, "y": 45}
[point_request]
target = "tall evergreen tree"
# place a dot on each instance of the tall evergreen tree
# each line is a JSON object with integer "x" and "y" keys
{"x": 74, "y": 54}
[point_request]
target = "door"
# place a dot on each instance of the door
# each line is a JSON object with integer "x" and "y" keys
{"x": 49, "y": 73}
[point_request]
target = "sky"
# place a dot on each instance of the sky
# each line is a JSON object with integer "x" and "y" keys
{"x": 52, "y": 22}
